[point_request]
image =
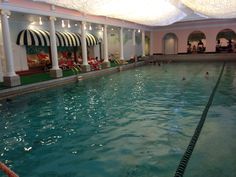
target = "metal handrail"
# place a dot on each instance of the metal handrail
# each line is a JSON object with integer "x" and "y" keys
{"x": 7, "y": 170}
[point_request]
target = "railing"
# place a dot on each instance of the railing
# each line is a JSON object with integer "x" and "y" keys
{"x": 7, "y": 170}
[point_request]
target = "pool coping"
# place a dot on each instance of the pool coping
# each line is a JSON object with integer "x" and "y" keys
{"x": 204, "y": 57}
{"x": 44, "y": 85}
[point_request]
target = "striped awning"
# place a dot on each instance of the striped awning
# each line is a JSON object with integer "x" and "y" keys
{"x": 67, "y": 39}
{"x": 31, "y": 37}
{"x": 91, "y": 39}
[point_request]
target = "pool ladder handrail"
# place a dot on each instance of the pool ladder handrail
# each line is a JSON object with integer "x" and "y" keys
{"x": 7, "y": 170}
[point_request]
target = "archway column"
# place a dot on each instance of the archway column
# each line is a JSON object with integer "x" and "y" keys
{"x": 85, "y": 65}
{"x": 143, "y": 43}
{"x": 134, "y": 45}
{"x": 10, "y": 78}
{"x": 55, "y": 72}
{"x": 121, "y": 44}
{"x": 106, "y": 62}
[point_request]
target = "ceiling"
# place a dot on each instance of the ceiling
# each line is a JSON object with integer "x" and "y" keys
{"x": 152, "y": 12}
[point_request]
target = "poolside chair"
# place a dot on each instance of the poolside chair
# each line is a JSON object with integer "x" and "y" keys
{"x": 120, "y": 62}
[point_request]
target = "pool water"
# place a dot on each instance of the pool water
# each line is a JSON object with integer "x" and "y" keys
{"x": 215, "y": 151}
{"x": 135, "y": 123}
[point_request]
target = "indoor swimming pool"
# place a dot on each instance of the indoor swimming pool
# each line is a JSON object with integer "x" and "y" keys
{"x": 135, "y": 123}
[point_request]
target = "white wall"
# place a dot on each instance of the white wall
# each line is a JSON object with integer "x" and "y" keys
{"x": 113, "y": 38}
{"x": 138, "y": 46}
{"x": 128, "y": 44}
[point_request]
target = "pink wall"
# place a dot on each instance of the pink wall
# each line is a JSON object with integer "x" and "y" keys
{"x": 183, "y": 30}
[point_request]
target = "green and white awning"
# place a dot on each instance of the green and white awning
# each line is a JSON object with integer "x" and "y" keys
{"x": 30, "y": 37}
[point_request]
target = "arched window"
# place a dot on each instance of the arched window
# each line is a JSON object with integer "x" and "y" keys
{"x": 226, "y": 41}
{"x": 196, "y": 42}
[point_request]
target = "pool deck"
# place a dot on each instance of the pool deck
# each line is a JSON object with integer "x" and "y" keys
{"x": 24, "y": 89}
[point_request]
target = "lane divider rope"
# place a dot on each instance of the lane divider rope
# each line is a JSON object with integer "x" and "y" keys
{"x": 184, "y": 161}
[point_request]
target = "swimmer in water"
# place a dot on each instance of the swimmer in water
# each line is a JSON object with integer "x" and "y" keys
{"x": 207, "y": 75}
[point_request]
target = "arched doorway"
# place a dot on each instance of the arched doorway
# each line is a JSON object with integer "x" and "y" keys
{"x": 226, "y": 41}
{"x": 170, "y": 44}
{"x": 196, "y": 42}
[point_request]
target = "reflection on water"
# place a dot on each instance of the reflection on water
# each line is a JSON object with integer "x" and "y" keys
{"x": 134, "y": 123}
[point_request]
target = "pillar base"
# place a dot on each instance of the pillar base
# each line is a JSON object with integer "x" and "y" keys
{"x": 11, "y": 81}
{"x": 106, "y": 64}
{"x": 85, "y": 68}
{"x": 120, "y": 68}
{"x": 55, "y": 73}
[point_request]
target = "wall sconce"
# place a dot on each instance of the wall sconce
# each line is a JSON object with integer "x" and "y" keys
{"x": 63, "y": 24}
{"x": 40, "y": 21}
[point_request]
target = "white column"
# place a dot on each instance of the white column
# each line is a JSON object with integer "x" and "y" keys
{"x": 55, "y": 71}
{"x": 134, "y": 43}
{"x": 83, "y": 43}
{"x": 85, "y": 66}
{"x": 105, "y": 44}
{"x": 106, "y": 62}
{"x": 7, "y": 43}
{"x": 121, "y": 44}
{"x": 53, "y": 43}
{"x": 10, "y": 78}
{"x": 143, "y": 43}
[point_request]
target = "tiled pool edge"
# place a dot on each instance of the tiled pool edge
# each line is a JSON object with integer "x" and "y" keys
{"x": 25, "y": 89}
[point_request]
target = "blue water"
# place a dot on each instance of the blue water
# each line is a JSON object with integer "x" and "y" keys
{"x": 135, "y": 123}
